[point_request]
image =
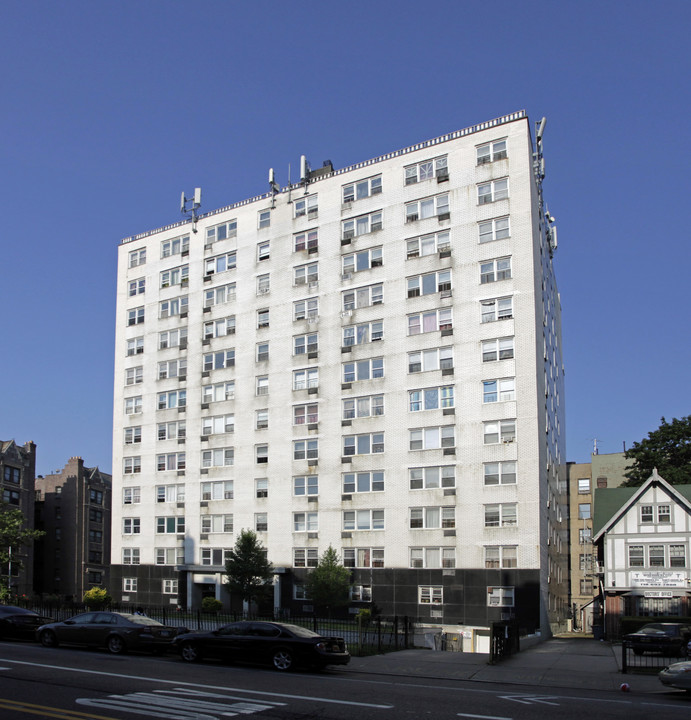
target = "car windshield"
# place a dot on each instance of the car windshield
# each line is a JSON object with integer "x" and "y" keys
{"x": 658, "y": 630}
{"x": 142, "y": 620}
{"x": 301, "y": 631}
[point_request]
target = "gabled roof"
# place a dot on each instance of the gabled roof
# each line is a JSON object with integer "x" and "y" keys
{"x": 611, "y": 504}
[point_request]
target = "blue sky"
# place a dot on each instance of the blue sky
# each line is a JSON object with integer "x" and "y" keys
{"x": 110, "y": 109}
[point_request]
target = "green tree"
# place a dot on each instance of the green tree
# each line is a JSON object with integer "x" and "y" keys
{"x": 328, "y": 585}
{"x": 668, "y": 449}
{"x": 13, "y": 536}
{"x": 248, "y": 570}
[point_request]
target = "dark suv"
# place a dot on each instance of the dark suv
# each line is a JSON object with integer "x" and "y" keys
{"x": 666, "y": 638}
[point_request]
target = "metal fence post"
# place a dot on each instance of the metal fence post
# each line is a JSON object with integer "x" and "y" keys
{"x": 624, "y": 657}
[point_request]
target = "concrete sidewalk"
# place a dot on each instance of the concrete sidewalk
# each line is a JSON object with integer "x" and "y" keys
{"x": 579, "y": 663}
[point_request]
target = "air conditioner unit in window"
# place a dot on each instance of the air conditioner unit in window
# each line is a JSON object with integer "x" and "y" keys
{"x": 346, "y": 276}
{"x": 314, "y": 284}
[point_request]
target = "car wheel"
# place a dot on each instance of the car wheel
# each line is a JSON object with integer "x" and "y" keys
{"x": 282, "y": 659}
{"x": 189, "y": 652}
{"x": 116, "y": 645}
{"x": 49, "y": 639}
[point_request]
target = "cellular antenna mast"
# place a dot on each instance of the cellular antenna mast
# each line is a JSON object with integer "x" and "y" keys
{"x": 189, "y": 206}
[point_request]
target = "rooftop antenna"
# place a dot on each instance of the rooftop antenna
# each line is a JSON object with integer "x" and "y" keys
{"x": 539, "y": 174}
{"x": 304, "y": 172}
{"x": 273, "y": 187}
{"x": 595, "y": 450}
{"x": 189, "y": 206}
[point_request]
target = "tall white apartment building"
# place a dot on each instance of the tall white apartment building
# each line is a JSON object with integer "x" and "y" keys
{"x": 369, "y": 359}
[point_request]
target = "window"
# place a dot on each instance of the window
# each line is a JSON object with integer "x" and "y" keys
{"x": 132, "y": 465}
{"x": 370, "y": 369}
{"x": 306, "y": 274}
{"x": 220, "y": 490}
{"x": 427, "y": 208}
{"x": 218, "y": 424}
{"x": 495, "y": 229}
{"x": 498, "y": 390}
{"x": 433, "y": 557}
{"x": 261, "y": 453}
{"x": 264, "y": 219}
{"x": 263, "y": 318}
{"x": 602, "y": 482}
{"x": 131, "y": 526}
{"x": 261, "y": 419}
{"x": 500, "y": 596}
{"x": 306, "y": 344}
{"x": 499, "y": 431}
{"x": 646, "y": 513}
{"x": 306, "y": 485}
{"x": 677, "y": 556}
{"x": 491, "y": 151}
{"x": 362, "y": 189}
{"x": 500, "y": 556}
{"x": 492, "y": 191}
{"x": 586, "y": 586}
{"x": 305, "y": 449}
{"x": 427, "y": 360}
{"x": 363, "y": 520}
{"x": 305, "y": 557}
{"x": 175, "y": 276}
{"x": 636, "y": 557}
{"x": 170, "y": 461}
{"x": 367, "y": 406}
{"x": 584, "y": 535}
{"x": 224, "y": 231}
{"x": 169, "y": 587}
{"x": 429, "y": 283}
{"x": 306, "y": 309}
{"x": 299, "y": 592}
{"x": 220, "y": 295}
{"x": 134, "y": 376}
{"x": 96, "y": 496}
{"x": 129, "y": 584}
{"x": 176, "y": 246}
{"x": 306, "y": 378}
{"x": 428, "y": 244}
{"x": 133, "y": 435}
{"x": 170, "y": 556}
{"x": 261, "y": 522}
{"x": 170, "y": 493}
{"x": 306, "y": 206}
{"x": 306, "y": 241}
{"x": 432, "y": 517}
{"x": 363, "y": 557}
{"x": 172, "y": 525}
{"x": 137, "y": 258}
{"x": 584, "y": 511}
{"x": 364, "y": 260}
{"x": 172, "y": 430}
{"x": 497, "y": 349}
{"x": 585, "y": 562}
{"x": 220, "y": 457}
{"x": 430, "y": 595}
{"x": 135, "y": 346}
{"x": 366, "y": 444}
{"x": 361, "y": 225}
{"x": 363, "y": 333}
{"x": 216, "y": 524}
{"x": 172, "y": 368}
{"x": 262, "y": 351}
{"x": 136, "y": 287}
{"x": 426, "y": 170}
{"x": 135, "y": 316}
{"x": 430, "y": 321}
{"x": 131, "y": 495}
{"x": 434, "y": 477}
{"x": 363, "y": 482}
{"x": 219, "y": 360}
{"x": 495, "y": 270}
{"x": 664, "y": 514}
{"x": 172, "y": 399}
{"x": 220, "y": 263}
{"x": 172, "y": 338}
{"x": 500, "y": 473}
{"x": 431, "y": 438}
{"x": 130, "y": 556}
{"x": 216, "y": 557}
{"x": 363, "y": 297}
{"x": 305, "y": 522}
{"x": 307, "y": 414}
{"x": 219, "y": 328}
{"x": 656, "y": 555}
{"x": 262, "y": 385}
{"x": 263, "y": 251}
{"x": 171, "y": 308}
{"x": 218, "y": 392}
{"x": 431, "y": 398}
{"x": 12, "y": 475}
{"x": 500, "y": 515}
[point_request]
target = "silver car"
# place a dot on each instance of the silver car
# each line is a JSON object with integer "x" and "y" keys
{"x": 677, "y": 675}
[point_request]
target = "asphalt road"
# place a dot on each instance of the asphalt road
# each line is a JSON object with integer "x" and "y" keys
{"x": 78, "y": 684}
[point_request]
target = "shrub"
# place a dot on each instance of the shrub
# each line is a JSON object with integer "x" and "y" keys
{"x": 96, "y": 598}
{"x": 211, "y": 605}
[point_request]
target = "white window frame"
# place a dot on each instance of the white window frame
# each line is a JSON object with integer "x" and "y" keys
{"x": 136, "y": 258}
{"x": 430, "y": 595}
{"x": 306, "y": 206}
{"x": 501, "y": 596}
{"x": 439, "y": 319}
{"x": 495, "y": 270}
{"x": 437, "y": 167}
{"x": 363, "y": 297}
{"x": 432, "y": 477}
{"x": 306, "y": 344}
{"x": 428, "y": 244}
{"x": 356, "y": 520}
{"x": 220, "y": 295}
{"x": 492, "y": 191}
{"x": 217, "y": 490}
{"x": 429, "y": 207}
{"x": 361, "y": 370}
{"x": 175, "y": 246}
{"x": 363, "y": 406}
{"x": 370, "y": 481}
{"x": 306, "y": 378}
{"x": 361, "y": 225}
{"x": 491, "y": 151}
{"x": 363, "y": 444}
{"x": 498, "y": 390}
{"x": 363, "y": 333}
{"x": 495, "y": 229}
{"x": 218, "y": 392}
{"x": 307, "y": 309}
{"x": 432, "y": 438}
{"x": 420, "y": 361}
{"x": 502, "y": 472}
{"x": 361, "y": 189}
{"x": 306, "y": 485}
{"x": 218, "y": 457}
{"x": 497, "y": 349}
{"x": 431, "y": 398}
{"x": 175, "y": 276}
{"x": 220, "y": 263}
{"x": 306, "y": 241}
{"x": 222, "y": 231}
{"x": 306, "y": 449}
{"x": 172, "y": 338}
{"x": 362, "y": 260}
{"x": 420, "y": 285}
{"x": 495, "y": 309}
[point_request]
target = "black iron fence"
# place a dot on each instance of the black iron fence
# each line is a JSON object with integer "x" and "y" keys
{"x": 634, "y": 659}
{"x": 504, "y": 641}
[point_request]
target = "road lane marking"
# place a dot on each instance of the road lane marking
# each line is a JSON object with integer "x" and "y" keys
{"x": 530, "y": 699}
{"x": 310, "y": 698}
{"x": 483, "y": 717}
{"x": 46, "y": 710}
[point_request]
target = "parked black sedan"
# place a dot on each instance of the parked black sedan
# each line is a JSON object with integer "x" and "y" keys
{"x": 19, "y": 623}
{"x": 118, "y": 632}
{"x": 663, "y": 637}
{"x": 282, "y": 645}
